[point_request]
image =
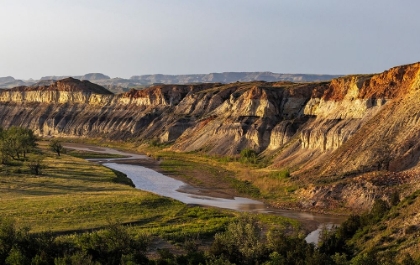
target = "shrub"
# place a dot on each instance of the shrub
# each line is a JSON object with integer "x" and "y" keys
{"x": 36, "y": 165}
{"x": 113, "y": 245}
{"x": 379, "y": 209}
{"x": 282, "y": 174}
{"x": 241, "y": 242}
{"x": 248, "y": 156}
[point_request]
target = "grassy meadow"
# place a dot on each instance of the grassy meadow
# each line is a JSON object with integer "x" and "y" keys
{"x": 83, "y": 205}
{"x": 75, "y": 195}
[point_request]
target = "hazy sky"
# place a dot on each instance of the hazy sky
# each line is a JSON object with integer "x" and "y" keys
{"x": 122, "y": 38}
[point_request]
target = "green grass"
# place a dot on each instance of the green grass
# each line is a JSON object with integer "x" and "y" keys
{"x": 75, "y": 195}
{"x": 188, "y": 165}
{"x": 247, "y": 179}
{"x": 276, "y": 186}
{"x": 91, "y": 155}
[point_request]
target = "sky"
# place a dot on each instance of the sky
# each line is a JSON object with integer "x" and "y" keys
{"x": 122, "y": 38}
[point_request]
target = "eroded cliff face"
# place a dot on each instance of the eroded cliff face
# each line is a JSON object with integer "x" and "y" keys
{"x": 330, "y": 132}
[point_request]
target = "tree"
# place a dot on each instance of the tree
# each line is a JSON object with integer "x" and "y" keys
{"x": 9, "y": 147}
{"x": 27, "y": 140}
{"x": 17, "y": 142}
{"x": 36, "y": 166}
{"x": 379, "y": 209}
{"x": 4, "y": 153}
{"x": 56, "y": 146}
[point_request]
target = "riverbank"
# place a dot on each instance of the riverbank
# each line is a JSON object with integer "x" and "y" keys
{"x": 225, "y": 176}
{"x": 199, "y": 182}
{"x": 214, "y": 197}
{"x": 204, "y": 176}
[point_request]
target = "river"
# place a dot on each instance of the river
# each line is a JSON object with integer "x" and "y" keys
{"x": 153, "y": 181}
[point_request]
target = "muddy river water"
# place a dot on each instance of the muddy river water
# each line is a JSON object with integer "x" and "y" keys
{"x": 153, "y": 181}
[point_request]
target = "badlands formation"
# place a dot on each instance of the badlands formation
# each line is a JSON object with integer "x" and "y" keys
{"x": 355, "y": 138}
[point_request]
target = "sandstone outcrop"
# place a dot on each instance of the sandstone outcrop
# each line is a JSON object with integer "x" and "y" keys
{"x": 330, "y": 132}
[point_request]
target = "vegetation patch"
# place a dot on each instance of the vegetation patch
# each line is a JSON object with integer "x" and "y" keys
{"x": 380, "y": 236}
{"x": 92, "y": 219}
{"x": 122, "y": 178}
{"x": 219, "y": 172}
{"x": 91, "y": 155}
{"x": 72, "y": 194}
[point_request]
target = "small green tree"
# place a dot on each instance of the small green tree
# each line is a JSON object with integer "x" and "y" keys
{"x": 35, "y": 165}
{"x": 379, "y": 209}
{"x": 56, "y": 146}
{"x": 27, "y": 140}
{"x": 17, "y": 142}
{"x": 9, "y": 148}
{"x": 16, "y": 257}
{"x": 4, "y": 155}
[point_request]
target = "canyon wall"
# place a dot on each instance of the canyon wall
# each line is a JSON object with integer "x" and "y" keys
{"x": 326, "y": 131}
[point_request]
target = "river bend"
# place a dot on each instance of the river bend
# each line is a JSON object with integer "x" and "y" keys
{"x": 153, "y": 181}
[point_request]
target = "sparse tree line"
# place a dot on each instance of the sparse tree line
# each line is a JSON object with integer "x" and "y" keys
{"x": 16, "y": 143}
{"x": 243, "y": 242}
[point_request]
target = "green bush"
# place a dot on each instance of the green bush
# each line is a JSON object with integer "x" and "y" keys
{"x": 241, "y": 243}
{"x": 379, "y": 209}
{"x": 282, "y": 174}
{"x": 248, "y": 156}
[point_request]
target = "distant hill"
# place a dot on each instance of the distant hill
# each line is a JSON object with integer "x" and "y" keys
{"x": 89, "y": 77}
{"x": 67, "y": 84}
{"x": 229, "y": 77}
{"x": 118, "y": 85}
{"x": 7, "y": 79}
{"x": 9, "y": 82}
